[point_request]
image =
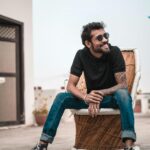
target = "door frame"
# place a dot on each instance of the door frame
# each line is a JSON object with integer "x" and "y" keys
{"x": 19, "y": 69}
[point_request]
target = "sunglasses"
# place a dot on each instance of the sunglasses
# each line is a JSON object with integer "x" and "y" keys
{"x": 100, "y": 37}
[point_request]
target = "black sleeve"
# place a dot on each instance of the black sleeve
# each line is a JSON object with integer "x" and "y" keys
{"x": 118, "y": 62}
{"x": 77, "y": 67}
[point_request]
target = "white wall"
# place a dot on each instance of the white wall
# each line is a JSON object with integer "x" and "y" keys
{"x": 21, "y": 10}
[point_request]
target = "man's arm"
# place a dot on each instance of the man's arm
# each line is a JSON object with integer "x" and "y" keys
{"x": 71, "y": 87}
{"x": 121, "y": 83}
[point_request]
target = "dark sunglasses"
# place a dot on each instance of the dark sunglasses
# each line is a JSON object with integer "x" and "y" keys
{"x": 100, "y": 37}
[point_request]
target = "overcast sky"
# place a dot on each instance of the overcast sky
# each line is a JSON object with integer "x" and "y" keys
{"x": 57, "y": 27}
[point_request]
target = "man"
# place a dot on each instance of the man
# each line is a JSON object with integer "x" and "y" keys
{"x": 104, "y": 69}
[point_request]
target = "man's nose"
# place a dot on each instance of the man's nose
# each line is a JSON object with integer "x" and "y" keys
{"x": 104, "y": 39}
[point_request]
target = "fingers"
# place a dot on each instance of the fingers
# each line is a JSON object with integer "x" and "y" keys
{"x": 100, "y": 92}
{"x": 94, "y": 96}
{"x": 93, "y": 109}
{"x": 98, "y": 108}
{"x": 92, "y": 99}
{"x": 97, "y": 96}
{"x": 90, "y": 109}
{"x": 95, "y": 93}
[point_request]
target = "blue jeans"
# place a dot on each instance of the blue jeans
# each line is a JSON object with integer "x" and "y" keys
{"x": 120, "y": 99}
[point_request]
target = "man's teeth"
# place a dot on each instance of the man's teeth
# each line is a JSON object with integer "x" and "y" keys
{"x": 105, "y": 45}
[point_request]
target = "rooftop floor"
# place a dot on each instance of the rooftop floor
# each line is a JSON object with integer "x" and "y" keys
{"x": 24, "y": 138}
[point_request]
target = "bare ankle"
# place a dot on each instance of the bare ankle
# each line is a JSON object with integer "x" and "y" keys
{"x": 43, "y": 142}
{"x": 129, "y": 142}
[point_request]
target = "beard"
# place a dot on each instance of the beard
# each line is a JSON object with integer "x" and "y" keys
{"x": 103, "y": 48}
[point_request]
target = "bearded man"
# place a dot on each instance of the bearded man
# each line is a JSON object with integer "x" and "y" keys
{"x": 104, "y": 69}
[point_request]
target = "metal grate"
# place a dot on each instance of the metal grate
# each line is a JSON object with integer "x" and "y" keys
{"x": 7, "y": 33}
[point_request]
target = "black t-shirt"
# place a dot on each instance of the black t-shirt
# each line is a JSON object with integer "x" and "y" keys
{"x": 99, "y": 72}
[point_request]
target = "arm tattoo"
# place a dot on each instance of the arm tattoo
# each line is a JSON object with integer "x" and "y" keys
{"x": 121, "y": 79}
{"x": 121, "y": 83}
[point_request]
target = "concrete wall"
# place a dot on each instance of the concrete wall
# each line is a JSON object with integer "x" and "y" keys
{"x": 21, "y": 10}
{"x": 46, "y": 97}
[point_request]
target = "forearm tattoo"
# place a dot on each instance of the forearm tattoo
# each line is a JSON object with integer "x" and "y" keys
{"x": 121, "y": 83}
{"x": 121, "y": 79}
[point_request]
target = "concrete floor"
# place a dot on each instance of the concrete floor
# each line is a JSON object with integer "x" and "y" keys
{"x": 24, "y": 138}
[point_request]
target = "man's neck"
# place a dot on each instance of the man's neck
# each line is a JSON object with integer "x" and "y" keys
{"x": 97, "y": 55}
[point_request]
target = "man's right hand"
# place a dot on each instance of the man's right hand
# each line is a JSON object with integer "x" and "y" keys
{"x": 93, "y": 97}
{"x": 93, "y": 109}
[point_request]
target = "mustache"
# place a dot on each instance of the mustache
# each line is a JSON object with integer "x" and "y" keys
{"x": 104, "y": 44}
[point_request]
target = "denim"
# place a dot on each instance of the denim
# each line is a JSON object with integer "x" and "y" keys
{"x": 120, "y": 99}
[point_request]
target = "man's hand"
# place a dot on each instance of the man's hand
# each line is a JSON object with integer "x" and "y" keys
{"x": 100, "y": 92}
{"x": 94, "y": 96}
{"x": 93, "y": 109}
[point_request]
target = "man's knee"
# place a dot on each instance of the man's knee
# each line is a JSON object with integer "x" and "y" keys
{"x": 122, "y": 95}
{"x": 62, "y": 96}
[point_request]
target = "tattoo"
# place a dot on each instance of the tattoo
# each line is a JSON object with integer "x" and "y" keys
{"x": 121, "y": 79}
{"x": 121, "y": 83}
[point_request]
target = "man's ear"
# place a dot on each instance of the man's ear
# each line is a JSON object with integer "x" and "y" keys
{"x": 88, "y": 44}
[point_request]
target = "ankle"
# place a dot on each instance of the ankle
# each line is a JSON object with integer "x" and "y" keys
{"x": 43, "y": 142}
{"x": 129, "y": 143}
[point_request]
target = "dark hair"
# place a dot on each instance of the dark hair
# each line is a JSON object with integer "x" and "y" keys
{"x": 86, "y": 33}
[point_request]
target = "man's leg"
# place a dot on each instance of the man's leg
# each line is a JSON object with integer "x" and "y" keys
{"x": 62, "y": 101}
{"x": 124, "y": 102}
{"x": 120, "y": 99}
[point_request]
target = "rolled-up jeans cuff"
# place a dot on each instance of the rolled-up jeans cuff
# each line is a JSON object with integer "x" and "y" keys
{"x": 46, "y": 138}
{"x": 128, "y": 134}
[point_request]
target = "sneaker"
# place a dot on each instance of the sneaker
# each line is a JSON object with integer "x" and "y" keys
{"x": 40, "y": 147}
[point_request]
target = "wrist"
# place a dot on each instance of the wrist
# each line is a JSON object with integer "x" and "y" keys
{"x": 104, "y": 92}
{"x": 84, "y": 98}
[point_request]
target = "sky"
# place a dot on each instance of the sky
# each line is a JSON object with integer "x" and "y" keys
{"x": 57, "y": 27}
